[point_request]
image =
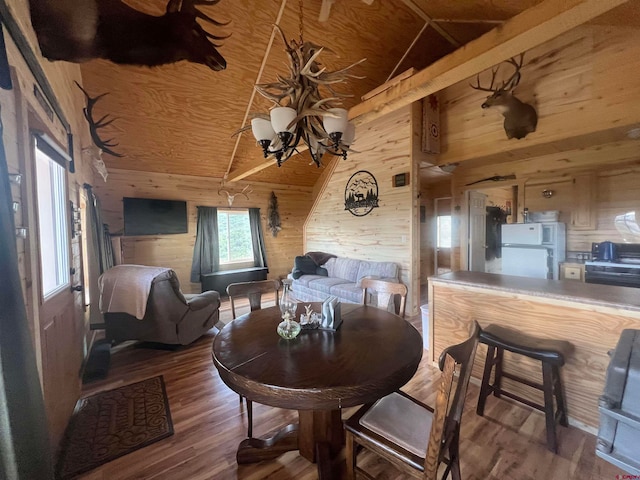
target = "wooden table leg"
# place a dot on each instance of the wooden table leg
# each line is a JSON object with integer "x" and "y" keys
{"x": 320, "y": 438}
{"x": 254, "y": 450}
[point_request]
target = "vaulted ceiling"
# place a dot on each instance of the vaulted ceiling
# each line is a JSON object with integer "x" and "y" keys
{"x": 181, "y": 118}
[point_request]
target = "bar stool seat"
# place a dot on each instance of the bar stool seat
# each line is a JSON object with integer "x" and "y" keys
{"x": 543, "y": 349}
{"x": 551, "y": 353}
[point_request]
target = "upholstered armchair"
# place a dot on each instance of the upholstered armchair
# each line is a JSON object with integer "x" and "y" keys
{"x": 145, "y": 303}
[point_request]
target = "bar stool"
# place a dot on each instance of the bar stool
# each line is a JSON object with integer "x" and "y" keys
{"x": 551, "y": 353}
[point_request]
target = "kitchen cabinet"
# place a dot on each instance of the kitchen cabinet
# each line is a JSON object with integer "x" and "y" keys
{"x": 572, "y": 271}
{"x": 583, "y": 213}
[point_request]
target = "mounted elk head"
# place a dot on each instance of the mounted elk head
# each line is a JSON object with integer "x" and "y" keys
{"x": 79, "y": 30}
{"x": 520, "y": 118}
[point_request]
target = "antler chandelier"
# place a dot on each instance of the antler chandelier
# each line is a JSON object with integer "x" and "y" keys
{"x": 300, "y": 113}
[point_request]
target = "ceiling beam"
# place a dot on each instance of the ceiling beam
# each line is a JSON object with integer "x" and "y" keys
{"x": 253, "y": 90}
{"x": 248, "y": 171}
{"x": 423, "y": 15}
{"x": 526, "y": 30}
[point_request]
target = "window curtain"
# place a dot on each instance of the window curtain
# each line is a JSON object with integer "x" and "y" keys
{"x": 100, "y": 251}
{"x": 206, "y": 253}
{"x": 24, "y": 441}
{"x": 257, "y": 237}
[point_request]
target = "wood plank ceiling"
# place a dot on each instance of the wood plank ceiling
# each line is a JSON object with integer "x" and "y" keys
{"x": 180, "y": 118}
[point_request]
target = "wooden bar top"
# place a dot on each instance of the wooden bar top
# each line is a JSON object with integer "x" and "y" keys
{"x": 622, "y": 298}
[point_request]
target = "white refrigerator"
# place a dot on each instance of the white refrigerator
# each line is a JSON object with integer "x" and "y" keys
{"x": 533, "y": 249}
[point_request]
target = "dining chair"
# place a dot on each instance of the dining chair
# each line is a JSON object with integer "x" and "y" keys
{"x": 385, "y": 292}
{"x": 253, "y": 291}
{"x": 413, "y": 436}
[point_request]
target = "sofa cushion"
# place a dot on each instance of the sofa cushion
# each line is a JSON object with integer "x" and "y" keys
{"x": 303, "y": 265}
{"x": 376, "y": 270}
{"x": 324, "y": 284}
{"x": 346, "y": 268}
{"x": 347, "y": 292}
{"x": 305, "y": 279}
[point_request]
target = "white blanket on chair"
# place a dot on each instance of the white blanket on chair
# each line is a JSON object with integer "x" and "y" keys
{"x": 125, "y": 288}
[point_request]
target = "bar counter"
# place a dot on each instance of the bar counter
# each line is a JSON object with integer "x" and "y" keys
{"x": 590, "y": 316}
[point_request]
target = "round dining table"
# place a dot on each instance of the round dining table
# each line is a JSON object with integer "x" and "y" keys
{"x": 370, "y": 355}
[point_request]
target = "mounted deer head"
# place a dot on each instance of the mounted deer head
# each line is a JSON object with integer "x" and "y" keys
{"x": 520, "y": 118}
{"x": 79, "y": 30}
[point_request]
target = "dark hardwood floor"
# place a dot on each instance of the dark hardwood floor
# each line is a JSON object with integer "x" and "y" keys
{"x": 209, "y": 422}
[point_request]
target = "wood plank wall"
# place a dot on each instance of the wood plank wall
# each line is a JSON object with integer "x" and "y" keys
{"x": 587, "y": 100}
{"x": 583, "y": 85}
{"x": 176, "y": 251}
{"x": 60, "y": 338}
{"x": 387, "y": 233}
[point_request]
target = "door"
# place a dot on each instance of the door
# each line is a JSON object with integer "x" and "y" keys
{"x": 60, "y": 333}
{"x": 526, "y": 262}
{"x": 477, "y": 231}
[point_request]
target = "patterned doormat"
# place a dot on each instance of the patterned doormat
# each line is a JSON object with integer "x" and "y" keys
{"x": 110, "y": 424}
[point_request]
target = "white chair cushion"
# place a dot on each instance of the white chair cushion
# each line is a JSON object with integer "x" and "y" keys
{"x": 402, "y": 421}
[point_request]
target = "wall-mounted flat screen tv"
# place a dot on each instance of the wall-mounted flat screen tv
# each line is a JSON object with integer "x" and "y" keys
{"x": 148, "y": 216}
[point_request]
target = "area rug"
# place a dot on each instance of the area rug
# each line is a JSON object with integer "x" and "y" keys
{"x": 110, "y": 424}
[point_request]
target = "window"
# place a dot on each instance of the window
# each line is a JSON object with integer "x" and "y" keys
{"x": 234, "y": 237}
{"x": 444, "y": 231}
{"x": 52, "y": 217}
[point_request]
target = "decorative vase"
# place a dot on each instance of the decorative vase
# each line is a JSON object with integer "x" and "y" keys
{"x": 288, "y": 302}
{"x": 288, "y": 328}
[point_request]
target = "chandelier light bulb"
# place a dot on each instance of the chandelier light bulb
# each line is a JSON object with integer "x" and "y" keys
{"x": 281, "y": 117}
{"x": 262, "y": 129}
{"x": 335, "y": 120}
{"x": 349, "y": 134}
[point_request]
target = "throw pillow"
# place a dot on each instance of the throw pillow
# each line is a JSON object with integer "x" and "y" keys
{"x": 303, "y": 265}
{"x": 322, "y": 271}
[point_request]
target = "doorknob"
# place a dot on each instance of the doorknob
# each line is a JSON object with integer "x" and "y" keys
{"x": 77, "y": 288}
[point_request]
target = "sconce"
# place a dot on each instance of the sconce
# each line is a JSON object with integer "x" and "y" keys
{"x": 546, "y": 193}
{"x": 21, "y": 232}
{"x": 15, "y": 178}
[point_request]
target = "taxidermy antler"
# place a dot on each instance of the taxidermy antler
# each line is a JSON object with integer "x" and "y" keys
{"x": 104, "y": 145}
{"x": 520, "y": 118}
{"x": 301, "y": 91}
{"x": 231, "y": 196}
{"x": 79, "y": 30}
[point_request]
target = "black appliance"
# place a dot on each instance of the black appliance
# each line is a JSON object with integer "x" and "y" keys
{"x": 619, "y": 406}
{"x": 604, "y": 251}
{"x": 614, "y": 264}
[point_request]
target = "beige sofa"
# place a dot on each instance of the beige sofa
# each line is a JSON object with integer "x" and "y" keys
{"x": 338, "y": 277}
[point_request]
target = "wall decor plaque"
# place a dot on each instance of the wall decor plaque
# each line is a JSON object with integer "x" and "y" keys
{"x": 361, "y": 193}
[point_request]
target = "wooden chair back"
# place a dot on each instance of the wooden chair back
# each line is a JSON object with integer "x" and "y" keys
{"x": 445, "y": 428}
{"x": 385, "y": 291}
{"x": 253, "y": 291}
